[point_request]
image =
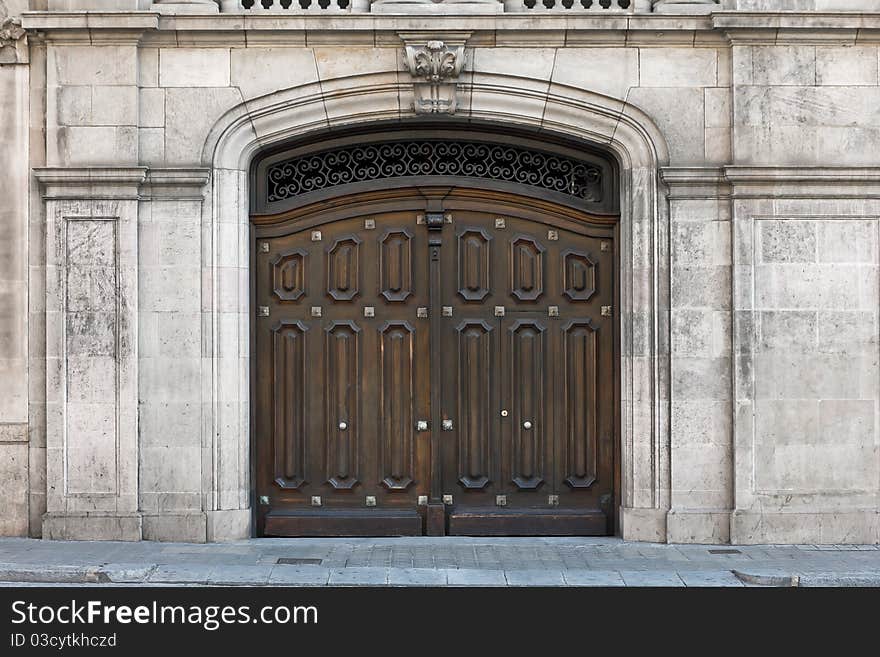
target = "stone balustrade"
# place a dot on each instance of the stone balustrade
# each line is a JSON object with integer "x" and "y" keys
{"x": 462, "y": 6}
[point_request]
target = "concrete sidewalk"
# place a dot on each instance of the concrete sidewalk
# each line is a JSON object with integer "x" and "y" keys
{"x": 451, "y": 561}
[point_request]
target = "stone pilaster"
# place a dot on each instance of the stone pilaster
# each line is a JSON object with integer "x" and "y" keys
{"x": 91, "y": 352}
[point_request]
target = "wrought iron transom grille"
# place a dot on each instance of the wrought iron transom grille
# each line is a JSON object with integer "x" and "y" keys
{"x": 424, "y": 157}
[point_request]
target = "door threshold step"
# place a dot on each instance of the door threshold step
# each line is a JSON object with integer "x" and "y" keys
{"x": 528, "y": 522}
{"x": 324, "y": 522}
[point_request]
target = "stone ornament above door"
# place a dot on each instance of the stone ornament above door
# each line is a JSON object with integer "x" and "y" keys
{"x": 435, "y": 66}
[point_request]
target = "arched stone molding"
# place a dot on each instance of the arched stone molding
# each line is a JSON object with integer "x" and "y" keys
{"x": 625, "y": 131}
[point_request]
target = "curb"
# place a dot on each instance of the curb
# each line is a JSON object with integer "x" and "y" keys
{"x": 56, "y": 575}
{"x": 813, "y": 580}
{"x": 75, "y": 574}
{"x": 775, "y": 580}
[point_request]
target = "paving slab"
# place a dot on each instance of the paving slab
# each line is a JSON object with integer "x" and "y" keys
{"x": 593, "y": 578}
{"x": 191, "y": 574}
{"x": 358, "y": 577}
{"x": 240, "y": 575}
{"x": 534, "y": 578}
{"x": 710, "y": 578}
{"x": 462, "y": 561}
{"x": 474, "y": 577}
{"x": 651, "y": 578}
{"x": 416, "y": 577}
{"x": 287, "y": 575}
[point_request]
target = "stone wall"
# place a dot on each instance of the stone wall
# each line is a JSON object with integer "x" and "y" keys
{"x": 749, "y": 274}
{"x": 15, "y": 439}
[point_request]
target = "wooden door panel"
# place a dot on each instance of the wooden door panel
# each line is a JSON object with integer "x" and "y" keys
{"x": 476, "y": 366}
{"x": 578, "y": 274}
{"x": 474, "y": 252}
{"x": 397, "y": 392}
{"x": 342, "y": 379}
{"x": 289, "y": 275}
{"x": 526, "y": 431}
{"x": 578, "y": 433}
{"x": 343, "y": 268}
{"x": 526, "y": 268}
{"x": 343, "y": 350}
{"x": 396, "y": 264}
{"x": 522, "y": 364}
{"x": 554, "y": 377}
{"x": 289, "y": 366}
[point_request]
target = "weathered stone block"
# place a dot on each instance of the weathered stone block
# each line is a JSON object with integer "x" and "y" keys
{"x": 14, "y": 491}
{"x": 609, "y": 71}
{"x": 194, "y": 67}
{"x": 678, "y": 67}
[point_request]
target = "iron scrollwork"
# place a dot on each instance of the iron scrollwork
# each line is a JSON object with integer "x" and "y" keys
{"x": 472, "y": 159}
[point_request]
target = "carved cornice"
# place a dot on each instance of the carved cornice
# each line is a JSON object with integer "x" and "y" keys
{"x": 13, "y": 48}
{"x": 803, "y": 182}
{"x": 90, "y": 183}
{"x": 178, "y": 183}
{"x": 10, "y": 31}
{"x": 695, "y": 182}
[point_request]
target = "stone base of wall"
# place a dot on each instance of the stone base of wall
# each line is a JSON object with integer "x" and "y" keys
{"x": 182, "y": 528}
{"x": 702, "y": 527}
{"x": 14, "y": 475}
{"x": 196, "y": 527}
{"x": 229, "y": 525}
{"x": 647, "y": 525}
{"x": 86, "y": 527}
{"x": 857, "y": 527}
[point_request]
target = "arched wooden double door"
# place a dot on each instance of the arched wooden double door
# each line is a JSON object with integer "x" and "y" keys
{"x": 434, "y": 361}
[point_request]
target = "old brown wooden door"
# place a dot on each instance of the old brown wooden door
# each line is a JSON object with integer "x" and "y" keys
{"x": 529, "y": 377}
{"x": 458, "y": 363}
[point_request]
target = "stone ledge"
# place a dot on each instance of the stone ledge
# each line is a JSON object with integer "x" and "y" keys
{"x": 695, "y": 182}
{"x": 177, "y": 183}
{"x": 14, "y": 432}
{"x": 803, "y": 182}
{"x": 90, "y": 182}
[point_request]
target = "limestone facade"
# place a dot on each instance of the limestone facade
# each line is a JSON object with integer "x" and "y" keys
{"x": 747, "y": 135}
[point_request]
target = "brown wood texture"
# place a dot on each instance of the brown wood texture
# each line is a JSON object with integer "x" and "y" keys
{"x": 487, "y": 327}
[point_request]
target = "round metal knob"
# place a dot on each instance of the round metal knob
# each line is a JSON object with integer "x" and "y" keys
{"x": 504, "y": 413}
{"x": 527, "y": 424}
{"x": 343, "y": 425}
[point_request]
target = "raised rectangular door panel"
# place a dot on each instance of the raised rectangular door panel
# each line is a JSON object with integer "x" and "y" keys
{"x": 475, "y": 368}
{"x": 396, "y": 264}
{"x": 473, "y": 264}
{"x": 580, "y": 416}
{"x": 343, "y": 268}
{"x": 526, "y": 429}
{"x": 289, "y": 275}
{"x": 526, "y": 268}
{"x": 289, "y": 366}
{"x": 342, "y": 372}
{"x": 397, "y": 392}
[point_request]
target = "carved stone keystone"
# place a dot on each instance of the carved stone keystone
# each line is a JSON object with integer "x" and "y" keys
{"x": 435, "y": 67}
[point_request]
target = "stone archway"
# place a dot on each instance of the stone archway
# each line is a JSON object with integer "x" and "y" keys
{"x": 621, "y": 129}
